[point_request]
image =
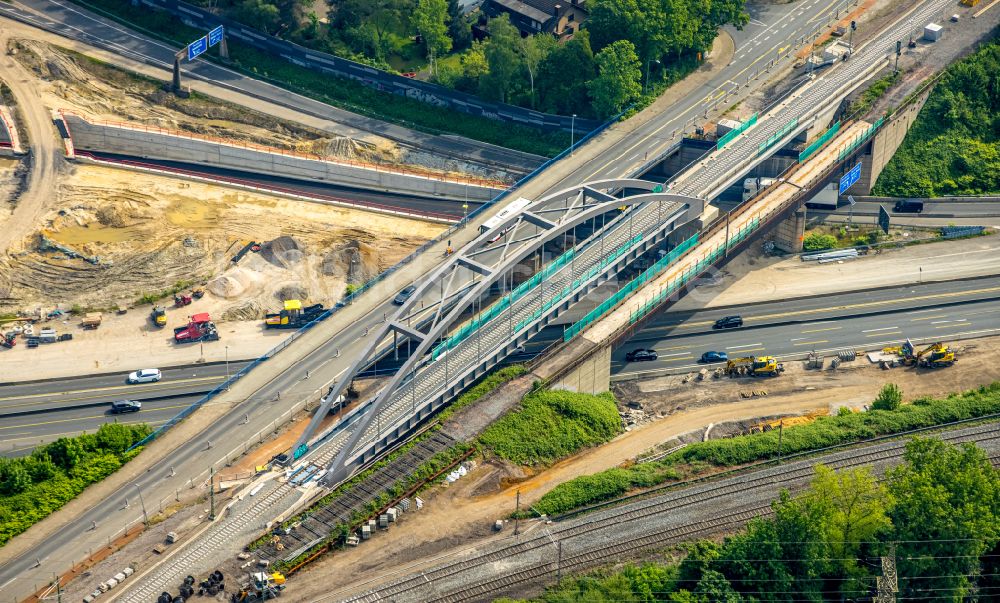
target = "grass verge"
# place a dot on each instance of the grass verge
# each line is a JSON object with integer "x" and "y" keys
{"x": 550, "y": 425}
{"x": 732, "y": 452}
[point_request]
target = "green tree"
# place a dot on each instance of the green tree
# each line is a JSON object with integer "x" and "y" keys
{"x": 66, "y": 452}
{"x": 947, "y": 516}
{"x": 114, "y": 437}
{"x": 503, "y": 58}
{"x": 642, "y": 22}
{"x": 259, "y": 14}
{"x": 617, "y": 83}
{"x": 889, "y": 397}
{"x": 431, "y": 21}
{"x": 534, "y": 49}
{"x": 14, "y": 478}
{"x": 817, "y": 241}
{"x": 459, "y": 28}
{"x": 567, "y": 95}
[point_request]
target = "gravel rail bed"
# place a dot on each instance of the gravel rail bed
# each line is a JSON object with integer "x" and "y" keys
{"x": 530, "y": 560}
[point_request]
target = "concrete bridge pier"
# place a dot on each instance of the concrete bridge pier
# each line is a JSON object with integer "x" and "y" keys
{"x": 592, "y": 376}
{"x": 788, "y": 234}
{"x": 884, "y": 144}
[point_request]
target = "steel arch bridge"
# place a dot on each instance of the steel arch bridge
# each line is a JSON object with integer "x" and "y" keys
{"x": 456, "y": 334}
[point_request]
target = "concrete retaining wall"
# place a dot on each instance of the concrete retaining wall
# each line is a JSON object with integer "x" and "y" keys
{"x": 158, "y": 144}
{"x": 10, "y": 142}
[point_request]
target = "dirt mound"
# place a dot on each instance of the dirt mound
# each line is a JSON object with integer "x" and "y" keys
{"x": 234, "y": 283}
{"x": 355, "y": 261}
{"x": 282, "y": 252}
{"x": 248, "y": 310}
{"x": 293, "y": 291}
{"x": 118, "y": 216}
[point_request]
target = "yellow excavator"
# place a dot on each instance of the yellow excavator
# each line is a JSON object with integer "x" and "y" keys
{"x": 936, "y": 355}
{"x": 754, "y": 366}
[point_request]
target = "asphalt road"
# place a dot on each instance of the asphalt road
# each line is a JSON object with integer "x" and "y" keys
{"x": 774, "y": 27}
{"x": 932, "y": 209}
{"x": 862, "y": 320}
{"x": 441, "y": 207}
{"x": 35, "y": 413}
{"x": 69, "y": 20}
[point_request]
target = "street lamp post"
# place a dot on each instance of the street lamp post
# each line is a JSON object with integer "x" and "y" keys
{"x": 145, "y": 517}
{"x": 645, "y": 86}
{"x": 572, "y": 134}
{"x": 227, "y": 368}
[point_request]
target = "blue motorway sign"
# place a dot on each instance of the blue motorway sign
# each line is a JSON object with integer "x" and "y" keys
{"x": 197, "y": 47}
{"x": 215, "y": 36}
{"x": 850, "y": 178}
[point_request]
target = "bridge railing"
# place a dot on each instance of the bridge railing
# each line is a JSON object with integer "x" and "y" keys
{"x": 350, "y": 298}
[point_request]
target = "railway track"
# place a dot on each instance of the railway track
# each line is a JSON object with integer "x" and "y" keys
{"x": 598, "y": 538}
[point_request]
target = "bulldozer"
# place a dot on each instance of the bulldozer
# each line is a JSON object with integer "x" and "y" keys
{"x": 261, "y": 588}
{"x": 754, "y": 366}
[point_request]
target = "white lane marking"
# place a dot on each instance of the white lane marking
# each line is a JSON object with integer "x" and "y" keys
{"x": 882, "y": 329}
{"x": 738, "y": 347}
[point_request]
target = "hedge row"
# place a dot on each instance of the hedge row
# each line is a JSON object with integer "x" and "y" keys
{"x": 824, "y": 432}
{"x": 34, "y": 486}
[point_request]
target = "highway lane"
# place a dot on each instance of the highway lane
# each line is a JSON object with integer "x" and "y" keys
{"x": 862, "y": 320}
{"x": 932, "y": 209}
{"x": 21, "y": 434}
{"x": 69, "y": 20}
{"x": 783, "y": 24}
{"x": 35, "y": 413}
{"x": 439, "y": 207}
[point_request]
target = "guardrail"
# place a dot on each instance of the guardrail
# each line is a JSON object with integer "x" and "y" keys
{"x": 819, "y": 142}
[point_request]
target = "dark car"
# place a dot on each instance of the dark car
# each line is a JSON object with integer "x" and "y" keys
{"x": 123, "y": 406}
{"x": 729, "y": 322}
{"x": 908, "y": 207}
{"x": 404, "y": 295}
{"x": 640, "y": 355}
{"x": 709, "y": 357}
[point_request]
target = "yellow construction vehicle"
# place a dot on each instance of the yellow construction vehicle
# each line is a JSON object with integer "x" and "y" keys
{"x": 935, "y": 355}
{"x": 158, "y": 316}
{"x": 293, "y": 315}
{"x": 754, "y": 366}
{"x": 970, "y": 2}
{"x": 261, "y": 588}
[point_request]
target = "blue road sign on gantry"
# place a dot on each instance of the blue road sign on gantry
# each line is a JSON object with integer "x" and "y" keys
{"x": 850, "y": 178}
{"x": 215, "y": 36}
{"x": 197, "y": 47}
